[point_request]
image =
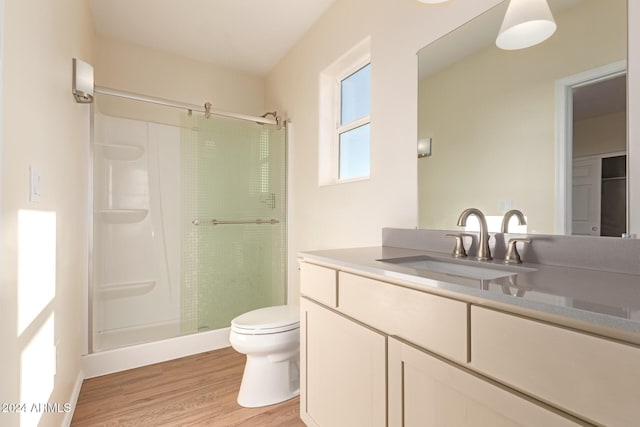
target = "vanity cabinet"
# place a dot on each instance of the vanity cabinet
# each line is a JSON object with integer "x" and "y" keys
{"x": 342, "y": 370}
{"x": 369, "y": 346}
{"x": 428, "y": 391}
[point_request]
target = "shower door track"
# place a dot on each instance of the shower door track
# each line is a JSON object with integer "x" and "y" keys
{"x": 206, "y": 109}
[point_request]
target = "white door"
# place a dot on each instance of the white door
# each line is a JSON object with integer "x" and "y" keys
{"x": 586, "y": 195}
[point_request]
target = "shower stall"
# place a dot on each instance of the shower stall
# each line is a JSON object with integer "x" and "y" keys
{"x": 189, "y": 224}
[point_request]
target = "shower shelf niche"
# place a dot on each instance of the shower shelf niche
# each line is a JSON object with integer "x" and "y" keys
{"x": 124, "y": 290}
{"x": 120, "y": 151}
{"x": 122, "y": 216}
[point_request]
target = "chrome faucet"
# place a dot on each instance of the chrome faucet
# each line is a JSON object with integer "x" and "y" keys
{"x": 507, "y": 217}
{"x": 483, "y": 253}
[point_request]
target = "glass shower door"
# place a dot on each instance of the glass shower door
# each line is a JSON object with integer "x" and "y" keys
{"x": 234, "y": 220}
{"x": 189, "y": 226}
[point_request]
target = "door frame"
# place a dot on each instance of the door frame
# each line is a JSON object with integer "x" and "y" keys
{"x": 564, "y": 136}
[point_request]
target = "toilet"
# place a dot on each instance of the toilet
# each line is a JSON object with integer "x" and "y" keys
{"x": 270, "y": 337}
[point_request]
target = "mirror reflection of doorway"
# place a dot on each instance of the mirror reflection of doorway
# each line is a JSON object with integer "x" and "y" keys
{"x": 599, "y": 184}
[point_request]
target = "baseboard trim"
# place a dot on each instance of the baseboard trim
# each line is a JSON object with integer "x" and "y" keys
{"x": 121, "y": 359}
{"x": 75, "y": 393}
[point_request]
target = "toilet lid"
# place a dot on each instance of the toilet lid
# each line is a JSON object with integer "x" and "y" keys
{"x": 267, "y": 320}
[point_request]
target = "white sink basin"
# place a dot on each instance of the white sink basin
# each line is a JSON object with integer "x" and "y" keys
{"x": 462, "y": 269}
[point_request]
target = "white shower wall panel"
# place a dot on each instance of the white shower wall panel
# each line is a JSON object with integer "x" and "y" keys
{"x": 120, "y": 183}
{"x": 128, "y": 184}
{"x": 125, "y": 253}
{"x": 119, "y": 131}
{"x": 137, "y": 262}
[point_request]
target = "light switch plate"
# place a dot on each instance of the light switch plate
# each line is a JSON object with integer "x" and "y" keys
{"x": 505, "y": 205}
{"x": 35, "y": 185}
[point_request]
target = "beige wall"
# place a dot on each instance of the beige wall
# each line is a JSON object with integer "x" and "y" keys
{"x": 153, "y": 72}
{"x": 43, "y": 127}
{"x": 493, "y": 127}
{"x": 353, "y": 214}
{"x": 600, "y": 135}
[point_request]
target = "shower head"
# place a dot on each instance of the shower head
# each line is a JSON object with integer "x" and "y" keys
{"x": 275, "y": 116}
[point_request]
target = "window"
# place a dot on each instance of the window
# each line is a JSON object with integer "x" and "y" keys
{"x": 345, "y": 104}
{"x": 353, "y": 127}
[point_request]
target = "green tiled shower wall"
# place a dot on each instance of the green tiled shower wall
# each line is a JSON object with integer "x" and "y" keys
{"x": 231, "y": 171}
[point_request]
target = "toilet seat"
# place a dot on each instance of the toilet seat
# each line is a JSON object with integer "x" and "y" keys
{"x": 268, "y": 320}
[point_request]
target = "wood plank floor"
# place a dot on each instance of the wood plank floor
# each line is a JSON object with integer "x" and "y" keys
{"x": 198, "y": 390}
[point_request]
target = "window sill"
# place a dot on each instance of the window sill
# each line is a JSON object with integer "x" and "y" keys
{"x": 344, "y": 181}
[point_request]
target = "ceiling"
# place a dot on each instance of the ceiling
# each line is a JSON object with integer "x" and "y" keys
{"x": 245, "y": 35}
{"x": 477, "y": 34}
{"x": 590, "y": 100}
{"x": 600, "y": 98}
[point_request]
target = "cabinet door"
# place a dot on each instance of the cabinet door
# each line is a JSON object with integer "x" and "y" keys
{"x": 579, "y": 373}
{"x": 428, "y": 392}
{"x": 343, "y": 370}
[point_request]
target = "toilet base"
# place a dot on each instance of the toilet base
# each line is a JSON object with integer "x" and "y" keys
{"x": 267, "y": 382}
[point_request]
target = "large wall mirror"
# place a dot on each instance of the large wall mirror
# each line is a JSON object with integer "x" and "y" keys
{"x": 542, "y": 129}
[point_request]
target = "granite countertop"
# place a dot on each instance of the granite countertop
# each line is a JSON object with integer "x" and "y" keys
{"x": 606, "y": 303}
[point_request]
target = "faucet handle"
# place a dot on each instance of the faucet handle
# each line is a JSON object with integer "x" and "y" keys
{"x": 458, "y": 251}
{"x": 512, "y": 256}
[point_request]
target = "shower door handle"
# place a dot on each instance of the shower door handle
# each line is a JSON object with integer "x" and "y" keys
{"x": 195, "y": 222}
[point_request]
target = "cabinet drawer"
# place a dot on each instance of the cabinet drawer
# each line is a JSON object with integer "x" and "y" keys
{"x": 318, "y": 283}
{"x": 435, "y": 323}
{"x": 591, "y": 377}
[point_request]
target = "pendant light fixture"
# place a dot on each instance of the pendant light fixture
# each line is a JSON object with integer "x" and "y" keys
{"x": 526, "y": 23}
